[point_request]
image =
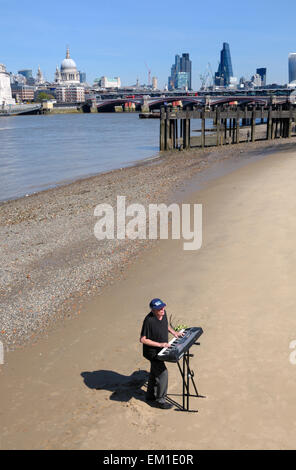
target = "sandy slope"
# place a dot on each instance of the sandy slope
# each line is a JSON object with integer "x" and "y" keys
{"x": 83, "y": 387}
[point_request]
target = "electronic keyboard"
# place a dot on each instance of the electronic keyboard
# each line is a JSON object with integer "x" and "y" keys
{"x": 179, "y": 346}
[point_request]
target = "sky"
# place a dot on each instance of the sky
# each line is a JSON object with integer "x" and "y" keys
{"x": 126, "y": 38}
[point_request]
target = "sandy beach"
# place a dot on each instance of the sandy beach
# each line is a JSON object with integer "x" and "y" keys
{"x": 50, "y": 259}
{"x": 72, "y": 308}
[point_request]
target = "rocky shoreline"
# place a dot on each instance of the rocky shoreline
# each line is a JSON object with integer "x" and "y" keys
{"x": 50, "y": 259}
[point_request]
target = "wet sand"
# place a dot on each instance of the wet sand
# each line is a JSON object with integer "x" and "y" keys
{"x": 82, "y": 386}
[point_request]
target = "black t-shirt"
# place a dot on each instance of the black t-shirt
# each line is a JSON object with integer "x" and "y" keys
{"x": 156, "y": 330}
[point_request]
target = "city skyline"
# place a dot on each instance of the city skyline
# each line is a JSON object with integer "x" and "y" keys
{"x": 121, "y": 34}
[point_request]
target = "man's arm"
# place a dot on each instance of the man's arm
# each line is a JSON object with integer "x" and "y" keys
{"x": 155, "y": 344}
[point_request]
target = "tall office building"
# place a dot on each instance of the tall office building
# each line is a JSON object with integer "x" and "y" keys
{"x": 186, "y": 66}
{"x": 262, "y": 73}
{"x": 182, "y": 81}
{"x": 174, "y": 70}
{"x": 256, "y": 80}
{"x": 222, "y": 76}
{"x": 27, "y": 73}
{"x": 154, "y": 83}
{"x": 292, "y": 67}
{"x": 182, "y": 65}
{"x": 82, "y": 77}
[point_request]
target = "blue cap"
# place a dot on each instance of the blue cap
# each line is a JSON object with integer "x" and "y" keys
{"x": 157, "y": 304}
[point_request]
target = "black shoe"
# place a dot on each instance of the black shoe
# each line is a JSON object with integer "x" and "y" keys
{"x": 163, "y": 406}
{"x": 150, "y": 398}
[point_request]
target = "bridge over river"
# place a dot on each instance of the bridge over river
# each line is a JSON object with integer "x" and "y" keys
{"x": 14, "y": 110}
{"x": 144, "y": 103}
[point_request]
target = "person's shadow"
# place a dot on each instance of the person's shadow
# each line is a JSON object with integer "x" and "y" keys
{"x": 123, "y": 387}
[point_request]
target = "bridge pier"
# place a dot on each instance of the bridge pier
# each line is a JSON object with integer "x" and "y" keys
{"x": 203, "y": 130}
{"x": 167, "y": 133}
{"x": 237, "y": 127}
{"x": 269, "y": 125}
{"x": 218, "y": 125}
{"x": 186, "y": 133}
{"x": 253, "y": 127}
{"x": 162, "y": 130}
{"x": 290, "y": 124}
{"x": 274, "y": 128}
{"x": 279, "y": 124}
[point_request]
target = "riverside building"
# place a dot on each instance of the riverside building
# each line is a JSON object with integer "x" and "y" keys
{"x": 23, "y": 93}
{"x": 105, "y": 82}
{"x": 70, "y": 94}
{"x": 5, "y": 87}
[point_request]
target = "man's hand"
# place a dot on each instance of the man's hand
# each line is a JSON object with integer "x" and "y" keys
{"x": 164, "y": 345}
{"x": 176, "y": 334}
{"x": 179, "y": 334}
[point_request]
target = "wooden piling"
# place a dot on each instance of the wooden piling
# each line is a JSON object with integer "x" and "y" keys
{"x": 162, "y": 130}
{"x": 203, "y": 126}
{"x": 184, "y": 133}
{"x": 172, "y": 134}
{"x": 237, "y": 127}
{"x": 273, "y": 129}
{"x": 187, "y": 127}
{"x": 218, "y": 124}
{"x": 280, "y": 123}
{"x": 276, "y": 128}
{"x": 253, "y": 126}
{"x": 290, "y": 124}
{"x": 225, "y": 130}
{"x": 269, "y": 124}
{"x": 167, "y": 131}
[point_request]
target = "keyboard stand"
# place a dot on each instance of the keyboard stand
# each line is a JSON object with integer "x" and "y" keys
{"x": 187, "y": 375}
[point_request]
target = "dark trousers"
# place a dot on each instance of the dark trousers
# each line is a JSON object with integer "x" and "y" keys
{"x": 158, "y": 381}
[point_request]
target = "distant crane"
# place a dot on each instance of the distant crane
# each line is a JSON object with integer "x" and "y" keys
{"x": 207, "y": 78}
{"x": 211, "y": 73}
{"x": 149, "y": 75}
{"x": 203, "y": 78}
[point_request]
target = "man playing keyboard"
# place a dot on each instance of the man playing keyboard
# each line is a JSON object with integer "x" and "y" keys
{"x": 154, "y": 337}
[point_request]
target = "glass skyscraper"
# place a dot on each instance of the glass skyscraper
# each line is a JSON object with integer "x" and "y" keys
{"x": 181, "y": 73}
{"x": 262, "y": 73}
{"x": 222, "y": 76}
{"x": 292, "y": 67}
{"x": 27, "y": 73}
{"x": 182, "y": 81}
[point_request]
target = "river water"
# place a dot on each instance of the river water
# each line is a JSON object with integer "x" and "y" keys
{"x": 39, "y": 152}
